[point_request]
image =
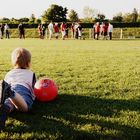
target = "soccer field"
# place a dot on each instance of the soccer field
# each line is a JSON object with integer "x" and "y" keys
{"x": 99, "y": 89}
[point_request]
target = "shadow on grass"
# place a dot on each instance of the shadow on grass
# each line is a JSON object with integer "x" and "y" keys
{"x": 75, "y": 117}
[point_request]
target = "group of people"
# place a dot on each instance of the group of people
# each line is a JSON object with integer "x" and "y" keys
{"x": 41, "y": 30}
{"x": 17, "y": 88}
{"x": 102, "y": 30}
{"x": 63, "y": 28}
{"x": 4, "y": 28}
{"x": 76, "y": 30}
{"x": 21, "y": 31}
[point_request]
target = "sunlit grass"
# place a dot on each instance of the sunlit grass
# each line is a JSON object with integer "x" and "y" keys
{"x": 99, "y": 89}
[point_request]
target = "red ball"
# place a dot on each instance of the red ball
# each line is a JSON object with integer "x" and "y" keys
{"x": 45, "y": 90}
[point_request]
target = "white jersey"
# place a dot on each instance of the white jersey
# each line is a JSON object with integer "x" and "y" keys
{"x": 50, "y": 26}
{"x": 22, "y": 77}
{"x": 110, "y": 28}
{"x": 6, "y": 27}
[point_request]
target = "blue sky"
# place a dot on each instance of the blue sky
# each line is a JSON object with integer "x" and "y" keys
{"x": 24, "y": 8}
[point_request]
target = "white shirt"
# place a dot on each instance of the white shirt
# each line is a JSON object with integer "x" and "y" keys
{"x": 50, "y": 26}
{"x": 110, "y": 28}
{"x": 22, "y": 77}
{"x": 101, "y": 28}
{"x": 6, "y": 27}
{"x": 76, "y": 26}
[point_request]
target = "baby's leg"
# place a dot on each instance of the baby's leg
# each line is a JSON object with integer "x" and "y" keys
{"x": 19, "y": 102}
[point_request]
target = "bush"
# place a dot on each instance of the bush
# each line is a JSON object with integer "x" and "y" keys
{"x": 85, "y": 25}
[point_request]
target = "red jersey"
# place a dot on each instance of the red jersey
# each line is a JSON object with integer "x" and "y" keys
{"x": 105, "y": 28}
{"x": 63, "y": 27}
{"x": 72, "y": 28}
{"x": 97, "y": 28}
{"x": 56, "y": 29}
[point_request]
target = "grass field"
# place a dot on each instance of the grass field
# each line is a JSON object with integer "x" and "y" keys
{"x": 99, "y": 90}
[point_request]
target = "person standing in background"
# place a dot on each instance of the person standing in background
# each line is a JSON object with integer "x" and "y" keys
{"x": 110, "y": 30}
{"x": 72, "y": 30}
{"x": 102, "y": 30}
{"x": 50, "y": 28}
{"x": 6, "y": 27}
{"x": 79, "y": 31}
{"x": 2, "y": 30}
{"x": 21, "y": 31}
{"x": 105, "y": 30}
{"x": 43, "y": 31}
{"x": 94, "y": 34}
{"x": 40, "y": 31}
{"x": 76, "y": 35}
{"x": 97, "y": 30}
{"x": 56, "y": 30}
{"x": 67, "y": 30}
{"x": 63, "y": 30}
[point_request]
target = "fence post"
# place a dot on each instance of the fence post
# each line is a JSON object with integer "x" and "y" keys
{"x": 90, "y": 33}
{"x": 121, "y": 35}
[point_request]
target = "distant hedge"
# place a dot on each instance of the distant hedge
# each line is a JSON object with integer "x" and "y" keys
{"x": 84, "y": 25}
{"x": 124, "y": 25}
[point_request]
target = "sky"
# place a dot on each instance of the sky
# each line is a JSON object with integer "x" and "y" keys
{"x": 24, "y": 8}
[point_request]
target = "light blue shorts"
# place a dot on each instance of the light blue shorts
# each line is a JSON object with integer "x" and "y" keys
{"x": 25, "y": 93}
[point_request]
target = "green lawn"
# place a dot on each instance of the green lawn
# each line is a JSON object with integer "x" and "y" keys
{"x": 99, "y": 90}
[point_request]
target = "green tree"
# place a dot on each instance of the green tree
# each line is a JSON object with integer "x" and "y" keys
{"x": 55, "y": 13}
{"x": 14, "y": 21}
{"x": 131, "y": 17}
{"x": 5, "y": 20}
{"x": 118, "y": 18}
{"x": 73, "y": 16}
{"x": 24, "y": 19}
{"x": 87, "y": 20}
{"x": 127, "y": 17}
{"x": 32, "y": 19}
{"x": 100, "y": 17}
{"x": 38, "y": 21}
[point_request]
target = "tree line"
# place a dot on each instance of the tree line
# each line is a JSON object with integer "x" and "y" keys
{"x": 57, "y": 13}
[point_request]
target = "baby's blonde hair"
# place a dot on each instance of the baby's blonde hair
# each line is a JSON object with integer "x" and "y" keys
{"x": 21, "y": 58}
